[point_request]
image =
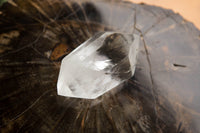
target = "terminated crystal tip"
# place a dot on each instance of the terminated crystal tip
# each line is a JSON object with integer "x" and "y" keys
{"x": 98, "y": 65}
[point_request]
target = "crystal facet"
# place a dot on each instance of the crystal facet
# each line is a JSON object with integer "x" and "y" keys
{"x": 98, "y": 65}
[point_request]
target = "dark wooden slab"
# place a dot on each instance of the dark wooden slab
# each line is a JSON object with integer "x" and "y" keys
{"x": 162, "y": 97}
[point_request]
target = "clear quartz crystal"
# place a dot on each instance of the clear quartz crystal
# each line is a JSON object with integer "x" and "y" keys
{"x": 98, "y": 65}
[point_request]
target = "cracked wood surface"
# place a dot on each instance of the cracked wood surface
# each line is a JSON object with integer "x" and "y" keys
{"x": 162, "y": 97}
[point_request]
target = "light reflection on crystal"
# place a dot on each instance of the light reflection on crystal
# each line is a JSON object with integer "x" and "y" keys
{"x": 98, "y": 65}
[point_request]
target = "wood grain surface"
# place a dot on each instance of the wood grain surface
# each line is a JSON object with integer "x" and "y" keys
{"x": 162, "y": 97}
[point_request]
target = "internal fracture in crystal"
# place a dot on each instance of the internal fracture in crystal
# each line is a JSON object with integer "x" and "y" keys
{"x": 98, "y": 65}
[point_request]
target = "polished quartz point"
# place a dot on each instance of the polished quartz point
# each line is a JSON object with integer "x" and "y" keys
{"x": 98, "y": 65}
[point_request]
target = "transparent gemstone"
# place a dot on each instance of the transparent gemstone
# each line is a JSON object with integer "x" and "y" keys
{"x": 98, "y": 65}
